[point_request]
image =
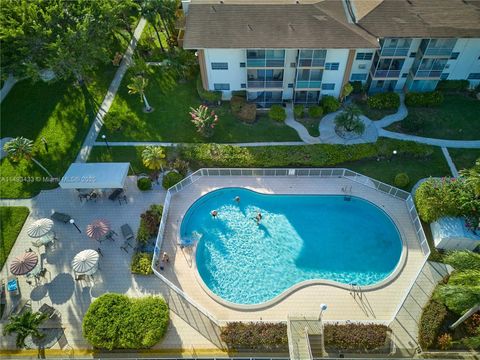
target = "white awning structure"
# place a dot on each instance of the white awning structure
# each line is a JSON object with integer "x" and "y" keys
{"x": 451, "y": 233}
{"x": 95, "y": 176}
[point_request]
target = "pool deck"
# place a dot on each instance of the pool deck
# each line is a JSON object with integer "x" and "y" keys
{"x": 376, "y": 305}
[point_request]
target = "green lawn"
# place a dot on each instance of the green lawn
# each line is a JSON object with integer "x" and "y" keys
{"x": 311, "y": 124}
{"x": 464, "y": 158}
{"x": 11, "y": 222}
{"x": 458, "y": 118}
{"x": 61, "y": 112}
{"x": 373, "y": 114}
{"x": 171, "y": 122}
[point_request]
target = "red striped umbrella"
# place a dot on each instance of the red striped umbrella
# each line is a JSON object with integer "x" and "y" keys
{"x": 24, "y": 263}
{"x": 97, "y": 229}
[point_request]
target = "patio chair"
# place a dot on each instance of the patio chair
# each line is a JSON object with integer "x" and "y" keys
{"x": 110, "y": 235}
{"x": 65, "y": 218}
{"x": 127, "y": 232}
{"x": 113, "y": 196}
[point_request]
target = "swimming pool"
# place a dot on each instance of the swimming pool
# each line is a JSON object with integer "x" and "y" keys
{"x": 300, "y": 237}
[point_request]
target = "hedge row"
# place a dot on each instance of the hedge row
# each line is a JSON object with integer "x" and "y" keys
{"x": 388, "y": 100}
{"x": 206, "y": 95}
{"x": 426, "y": 99}
{"x": 255, "y": 336}
{"x": 216, "y": 155}
{"x": 431, "y": 321}
{"x": 355, "y": 337}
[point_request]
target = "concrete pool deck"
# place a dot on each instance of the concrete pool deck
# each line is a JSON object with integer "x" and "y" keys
{"x": 376, "y": 305}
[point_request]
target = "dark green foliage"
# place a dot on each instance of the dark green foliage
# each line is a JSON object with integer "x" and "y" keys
{"x": 462, "y": 291}
{"x": 180, "y": 166}
{"x": 12, "y": 219}
{"x": 24, "y": 325}
{"x": 349, "y": 120}
{"x": 401, "y": 180}
{"x": 255, "y": 336}
{"x": 315, "y": 111}
{"x": 236, "y": 103}
{"x": 411, "y": 124}
{"x": 388, "y": 100}
{"x": 424, "y": 99}
{"x": 142, "y": 263}
{"x": 206, "y": 95}
{"x": 433, "y": 316}
{"x": 171, "y": 179}
{"x": 115, "y": 321}
{"x": 298, "y": 111}
{"x": 248, "y": 113}
{"x": 149, "y": 223}
{"x": 330, "y": 104}
{"x": 144, "y": 183}
{"x": 277, "y": 113}
{"x": 355, "y": 337}
{"x": 463, "y": 260}
{"x": 452, "y": 85}
{"x": 357, "y": 87}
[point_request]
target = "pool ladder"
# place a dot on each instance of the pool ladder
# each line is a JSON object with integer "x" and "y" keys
{"x": 355, "y": 290}
{"x": 347, "y": 190}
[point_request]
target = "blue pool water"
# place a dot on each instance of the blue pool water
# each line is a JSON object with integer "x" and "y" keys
{"x": 300, "y": 237}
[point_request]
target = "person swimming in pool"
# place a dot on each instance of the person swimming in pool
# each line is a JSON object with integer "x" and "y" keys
{"x": 237, "y": 199}
{"x": 214, "y": 213}
{"x": 258, "y": 217}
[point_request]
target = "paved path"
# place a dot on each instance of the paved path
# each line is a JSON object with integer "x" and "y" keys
{"x": 328, "y": 135}
{"x": 450, "y": 163}
{"x": 112, "y": 91}
{"x": 299, "y": 128}
{"x": 17, "y": 202}
{"x": 170, "y": 144}
{"x": 7, "y": 86}
{"x": 401, "y": 114}
{"x": 466, "y": 144}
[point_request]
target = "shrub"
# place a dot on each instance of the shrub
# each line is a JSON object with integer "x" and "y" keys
{"x": 452, "y": 85}
{"x": 349, "y": 120}
{"x": 357, "y": 87}
{"x": 426, "y": 99}
{"x": 298, "y": 111}
{"x": 388, "y": 100}
{"x": 330, "y": 104}
{"x": 463, "y": 260}
{"x": 277, "y": 113}
{"x": 433, "y": 316}
{"x": 115, "y": 321}
{"x": 144, "y": 183}
{"x": 204, "y": 120}
{"x": 472, "y": 324}
{"x": 171, "y": 179}
{"x": 142, "y": 263}
{"x": 180, "y": 166}
{"x": 462, "y": 291}
{"x": 236, "y": 103}
{"x": 346, "y": 90}
{"x": 149, "y": 223}
{"x": 248, "y": 113}
{"x": 206, "y": 95}
{"x": 444, "y": 341}
{"x": 315, "y": 111}
{"x": 255, "y": 336}
{"x": 355, "y": 337}
{"x": 401, "y": 180}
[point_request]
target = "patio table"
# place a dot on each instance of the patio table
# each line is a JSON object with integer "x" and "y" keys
{"x": 47, "y": 309}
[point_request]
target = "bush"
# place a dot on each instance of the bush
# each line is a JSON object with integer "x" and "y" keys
{"x": 170, "y": 179}
{"x": 248, "y": 113}
{"x": 388, "y": 100}
{"x": 445, "y": 341}
{"x": 401, "y": 180}
{"x": 277, "y": 113}
{"x": 349, "y": 120}
{"x": 472, "y": 324}
{"x": 463, "y": 260}
{"x": 298, "y": 111}
{"x": 357, "y": 87}
{"x": 433, "y": 316}
{"x": 462, "y": 291}
{"x": 144, "y": 183}
{"x": 142, "y": 263}
{"x": 206, "y": 95}
{"x": 255, "y": 336}
{"x": 330, "y": 104}
{"x": 355, "y": 337}
{"x": 149, "y": 223}
{"x": 315, "y": 111}
{"x": 236, "y": 103}
{"x": 180, "y": 166}
{"x": 425, "y": 99}
{"x": 115, "y": 321}
{"x": 453, "y": 85}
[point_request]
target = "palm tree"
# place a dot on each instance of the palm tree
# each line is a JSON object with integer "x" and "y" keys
{"x": 138, "y": 85}
{"x": 472, "y": 177}
{"x": 24, "y": 325}
{"x": 153, "y": 158}
{"x": 22, "y": 148}
{"x": 349, "y": 120}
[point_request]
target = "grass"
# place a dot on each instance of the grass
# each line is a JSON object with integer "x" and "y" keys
{"x": 11, "y": 223}
{"x": 171, "y": 122}
{"x": 60, "y": 112}
{"x": 311, "y": 124}
{"x": 464, "y": 158}
{"x": 456, "y": 119}
{"x": 374, "y": 114}
{"x": 149, "y": 44}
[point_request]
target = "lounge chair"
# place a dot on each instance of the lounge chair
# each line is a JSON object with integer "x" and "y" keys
{"x": 127, "y": 232}
{"x": 60, "y": 217}
{"x": 113, "y": 196}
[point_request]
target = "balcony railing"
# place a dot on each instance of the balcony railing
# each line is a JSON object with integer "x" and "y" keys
{"x": 444, "y": 52}
{"x": 386, "y": 74}
{"x": 311, "y": 63}
{"x": 308, "y": 84}
{"x": 265, "y": 62}
{"x": 261, "y": 84}
{"x": 394, "y": 51}
{"x": 429, "y": 74}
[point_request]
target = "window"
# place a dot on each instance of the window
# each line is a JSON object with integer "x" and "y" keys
{"x": 444, "y": 76}
{"x": 362, "y": 66}
{"x": 413, "y": 54}
{"x": 331, "y": 66}
{"x": 290, "y": 86}
{"x": 474, "y": 76}
{"x": 219, "y": 66}
{"x": 328, "y": 86}
{"x": 364, "y": 56}
{"x": 358, "y": 77}
{"x": 293, "y": 65}
{"x": 454, "y": 55}
{"x": 243, "y": 86}
{"x": 221, "y": 86}
{"x": 242, "y": 64}
{"x": 404, "y": 75}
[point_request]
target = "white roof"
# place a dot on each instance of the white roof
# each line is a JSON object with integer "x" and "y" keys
{"x": 95, "y": 176}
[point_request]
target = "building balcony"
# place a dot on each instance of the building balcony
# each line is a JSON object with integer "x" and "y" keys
{"x": 264, "y": 84}
{"x": 427, "y": 74}
{"x": 383, "y": 74}
{"x": 308, "y": 84}
{"x": 438, "y": 52}
{"x": 394, "y": 52}
{"x": 311, "y": 63}
{"x": 265, "y": 62}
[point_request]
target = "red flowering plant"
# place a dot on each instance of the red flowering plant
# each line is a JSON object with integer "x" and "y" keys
{"x": 204, "y": 120}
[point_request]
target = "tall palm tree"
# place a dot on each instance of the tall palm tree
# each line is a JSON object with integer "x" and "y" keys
{"x": 153, "y": 158}
{"x": 138, "y": 85}
{"x": 21, "y": 148}
{"x": 24, "y": 325}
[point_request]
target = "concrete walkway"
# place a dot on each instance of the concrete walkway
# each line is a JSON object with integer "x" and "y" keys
{"x": 299, "y": 128}
{"x": 466, "y": 144}
{"x": 450, "y": 163}
{"x": 112, "y": 91}
{"x": 7, "y": 86}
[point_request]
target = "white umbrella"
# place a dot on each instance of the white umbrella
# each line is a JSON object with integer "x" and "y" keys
{"x": 85, "y": 262}
{"x": 39, "y": 228}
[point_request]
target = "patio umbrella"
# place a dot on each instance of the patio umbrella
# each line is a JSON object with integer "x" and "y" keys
{"x": 40, "y": 228}
{"x": 24, "y": 263}
{"x": 85, "y": 262}
{"x": 98, "y": 229}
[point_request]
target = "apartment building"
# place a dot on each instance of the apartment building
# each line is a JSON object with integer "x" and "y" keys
{"x": 287, "y": 50}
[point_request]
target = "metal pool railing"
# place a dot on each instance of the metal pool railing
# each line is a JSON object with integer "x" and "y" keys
{"x": 289, "y": 172}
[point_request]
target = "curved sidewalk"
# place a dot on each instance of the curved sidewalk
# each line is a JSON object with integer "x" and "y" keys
{"x": 466, "y": 144}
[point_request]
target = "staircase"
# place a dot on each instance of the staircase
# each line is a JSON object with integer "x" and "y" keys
{"x": 305, "y": 338}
